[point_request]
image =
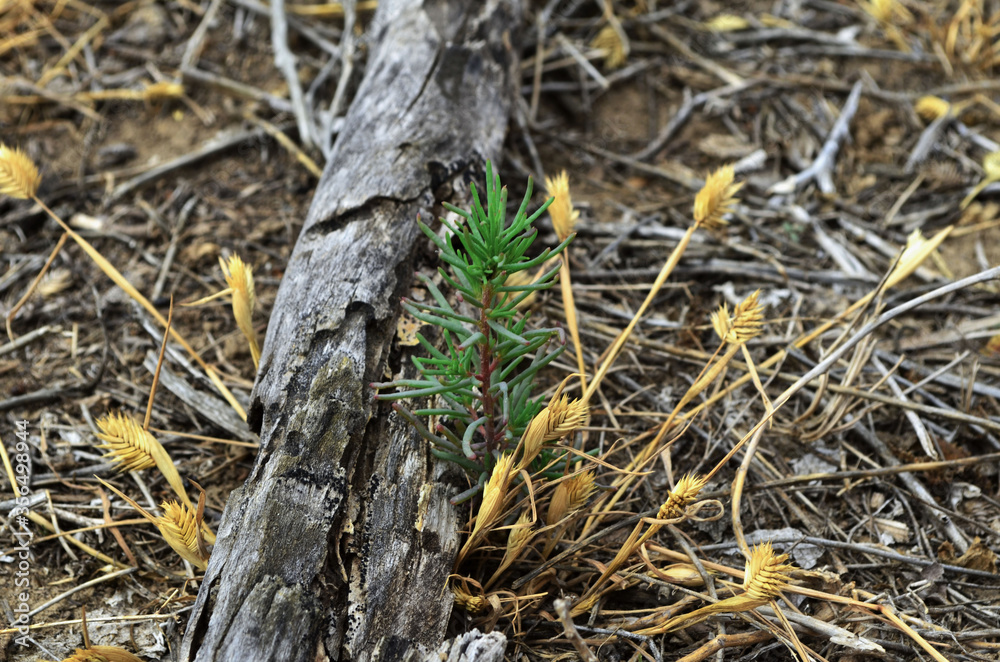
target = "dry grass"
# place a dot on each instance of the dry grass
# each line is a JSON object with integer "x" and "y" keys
{"x": 869, "y": 490}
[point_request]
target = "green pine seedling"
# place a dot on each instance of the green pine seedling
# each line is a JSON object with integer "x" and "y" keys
{"x": 480, "y": 382}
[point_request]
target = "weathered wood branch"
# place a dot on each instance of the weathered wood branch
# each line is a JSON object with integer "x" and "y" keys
{"x": 319, "y": 555}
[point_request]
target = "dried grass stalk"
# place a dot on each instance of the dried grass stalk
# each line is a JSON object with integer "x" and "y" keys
{"x": 766, "y": 574}
{"x": 931, "y": 107}
{"x": 517, "y": 540}
{"x": 180, "y": 526}
{"x": 134, "y": 448}
{"x": 474, "y": 604}
{"x": 494, "y": 494}
{"x": 609, "y": 41}
{"x": 918, "y": 249}
{"x": 563, "y": 221}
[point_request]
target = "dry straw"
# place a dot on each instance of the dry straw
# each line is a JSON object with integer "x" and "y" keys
{"x": 991, "y": 170}
{"x": 180, "y": 526}
{"x": 683, "y": 495}
{"x": 517, "y": 540}
{"x": 744, "y": 324}
{"x": 674, "y": 509}
{"x": 494, "y": 493}
{"x": 569, "y": 496}
{"x": 19, "y": 178}
{"x": 713, "y": 201}
{"x": 766, "y": 573}
{"x": 615, "y": 49}
{"x": 931, "y": 107}
{"x": 564, "y": 219}
{"x": 473, "y": 604}
{"x": 134, "y": 449}
{"x": 765, "y": 576}
{"x": 101, "y": 654}
{"x": 239, "y": 284}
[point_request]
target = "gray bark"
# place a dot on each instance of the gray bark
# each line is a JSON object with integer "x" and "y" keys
{"x": 318, "y": 555}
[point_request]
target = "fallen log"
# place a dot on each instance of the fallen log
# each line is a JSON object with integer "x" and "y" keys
{"x": 339, "y": 544}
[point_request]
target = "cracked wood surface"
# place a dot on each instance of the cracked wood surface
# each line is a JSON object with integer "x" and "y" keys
{"x": 318, "y": 556}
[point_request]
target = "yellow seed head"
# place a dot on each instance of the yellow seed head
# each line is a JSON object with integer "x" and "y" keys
{"x": 683, "y": 574}
{"x": 931, "y": 107}
{"x": 766, "y": 573}
{"x": 494, "y": 492}
{"x": 569, "y": 496}
{"x": 101, "y": 654}
{"x": 716, "y": 198}
{"x": 473, "y": 604}
{"x": 726, "y": 23}
{"x": 560, "y": 418}
{"x": 55, "y": 282}
{"x": 239, "y": 277}
{"x": 918, "y": 248}
{"x": 744, "y": 324}
{"x": 610, "y": 41}
{"x": 889, "y": 12}
{"x": 682, "y": 496}
{"x": 561, "y": 210}
{"x": 519, "y": 535}
{"x": 580, "y": 488}
{"x": 163, "y": 90}
{"x": 179, "y": 527}
{"x": 19, "y": 177}
{"x": 128, "y": 443}
{"x": 559, "y": 504}
{"x": 991, "y": 165}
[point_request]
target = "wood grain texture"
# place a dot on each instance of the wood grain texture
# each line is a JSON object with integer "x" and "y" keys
{"x": 318, "y": 556}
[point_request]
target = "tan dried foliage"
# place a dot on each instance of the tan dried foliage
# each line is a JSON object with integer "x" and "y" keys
{"x": 931, "y": 107}
{"x": 127, "y": 443}
{"x": 493, "y": 494}
{"x": 474, "y": 604}
{"x": 743, "y": 325}
{"x": 766, "y": 573}
{"x": 180, "y": 526}
{"x": 19, "y": 177}
{"x": 569, "y": 496}
{"x": 609, "y": 41}
{"x": 560, "y": 418}
{"x": 101, "y": 654}
{"x": 561, "y": 210}
{"x": 716, "y": 198}
{"x": 683, "y": 495}
{"x": 239, "y": 278}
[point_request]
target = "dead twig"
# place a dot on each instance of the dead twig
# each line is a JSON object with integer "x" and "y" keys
{"x": 821, "y": 169}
